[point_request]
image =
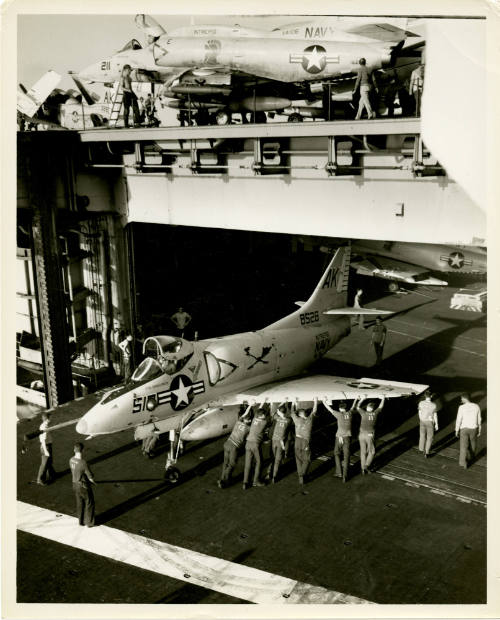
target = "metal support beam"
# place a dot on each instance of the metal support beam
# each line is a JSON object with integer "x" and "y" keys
{"x": 42, "y": 162}
{"x": 379, "y": 126}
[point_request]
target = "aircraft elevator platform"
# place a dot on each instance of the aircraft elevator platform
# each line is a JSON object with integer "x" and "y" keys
{"x": 274, "y": 163}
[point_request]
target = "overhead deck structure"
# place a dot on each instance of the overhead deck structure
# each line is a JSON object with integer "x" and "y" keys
{"x": 273, "y": 165}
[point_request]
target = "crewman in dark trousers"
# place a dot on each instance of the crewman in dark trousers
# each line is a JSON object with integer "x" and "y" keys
{"x": 233, "y": 445}
{"x": 367, "y": 433}
{"x": 279, "y": 440}
{"x": 428, "y": 423}
{"x": 468, "y": 426}
{"x": 46, "y": 473}
{"x": 343, "y": 437}
{"x": 253, "y": 450}
{"x": 303, "y": 428}
{"x": 82, "y": 479}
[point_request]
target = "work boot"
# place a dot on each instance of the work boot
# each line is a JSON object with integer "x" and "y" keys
{"x": 338, "y": 475}
{"x": 259, "y": 484}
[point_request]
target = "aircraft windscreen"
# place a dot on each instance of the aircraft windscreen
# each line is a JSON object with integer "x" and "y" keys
{"x": 148, "y": 369}
{"x": 132, "y": 45}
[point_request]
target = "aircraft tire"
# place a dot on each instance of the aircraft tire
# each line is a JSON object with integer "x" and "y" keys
{"x": 393, "y": 287}
{"x": 172, "y": 474}
{"x": 295, "y": 118}
{"x": 258, "y": 117}
{"x": 223, "y": 117}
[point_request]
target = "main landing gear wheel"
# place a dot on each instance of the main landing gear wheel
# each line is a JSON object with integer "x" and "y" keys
{"x": 223, "y": 117}
{"x": 295, "y": 118}
{"x": 393, "y": 287}
{"x": 172, "y": 474}
{"x": 258, "y": 117}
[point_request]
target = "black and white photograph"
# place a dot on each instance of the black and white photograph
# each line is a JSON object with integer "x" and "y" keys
{"x": 249, "y": 296}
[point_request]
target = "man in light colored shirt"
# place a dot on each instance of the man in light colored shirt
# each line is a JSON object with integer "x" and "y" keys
{"x": 46, "y": 473}
{"x": 181, "y": 320}
{"x": 416, "y": 86}
{"x": 468, "y": 426}
{"x": 364, "y": 82}
{"x": 428, "y": 423}
{"x": 126, "y": 349}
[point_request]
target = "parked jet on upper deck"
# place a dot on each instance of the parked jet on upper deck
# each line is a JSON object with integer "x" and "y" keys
{"x": 222, "y": 69}
{"x": 413, "y": 263}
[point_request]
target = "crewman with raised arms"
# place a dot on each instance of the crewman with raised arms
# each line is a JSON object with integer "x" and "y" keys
{"x": 303, "y": 428}
{"x": 279, "y": 439}
{"x": 253, "y": 450}
{"x": 367, "y": 432}
{"x": 233, "y": 446}
{"x": 342, "y": 437}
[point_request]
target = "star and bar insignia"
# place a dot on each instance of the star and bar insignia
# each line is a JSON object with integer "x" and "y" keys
{"x": 456, "y": 260}
{"x": 314, "y": 58}
{"x": 181, "y": 393}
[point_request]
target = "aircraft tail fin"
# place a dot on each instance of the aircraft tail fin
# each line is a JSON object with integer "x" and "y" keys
{"x": 28, "y": 103}
{"x": 330, "y": 293}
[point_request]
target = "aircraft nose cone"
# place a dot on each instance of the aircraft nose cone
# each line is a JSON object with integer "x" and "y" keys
{"x": 81, "y": 427}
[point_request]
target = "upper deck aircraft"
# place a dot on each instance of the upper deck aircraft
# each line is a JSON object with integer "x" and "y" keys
{"x": 218, "y": 70}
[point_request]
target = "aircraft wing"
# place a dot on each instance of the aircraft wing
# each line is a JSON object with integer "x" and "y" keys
{"x": 391, "y": 269}
{"x": 29, "y": 102}
{"x": 381, "y": 31}
{"x": 333, "y": 388}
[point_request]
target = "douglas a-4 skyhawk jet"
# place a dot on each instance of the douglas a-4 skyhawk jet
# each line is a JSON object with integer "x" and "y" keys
{"x": 215, "y": 71}
{"x": 194, "y": 390}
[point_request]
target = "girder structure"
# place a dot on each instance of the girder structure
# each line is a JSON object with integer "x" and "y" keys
{"x": 45, "y": 166}
{"x": 372, "y": 179}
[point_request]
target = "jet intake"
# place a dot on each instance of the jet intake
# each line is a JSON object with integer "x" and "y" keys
{"x": 212, "y": 423}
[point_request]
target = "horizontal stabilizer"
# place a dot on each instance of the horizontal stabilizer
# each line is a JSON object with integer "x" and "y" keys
{"x": 356, "y": 311}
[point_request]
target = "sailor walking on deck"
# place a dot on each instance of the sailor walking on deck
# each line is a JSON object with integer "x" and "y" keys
{"x": 82, "y": 479}
{"x": 468, "y": 426}
{"x": 427, "y": 413}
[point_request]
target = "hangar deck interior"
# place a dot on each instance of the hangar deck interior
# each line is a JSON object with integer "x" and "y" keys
{"x": 128, "y": 250}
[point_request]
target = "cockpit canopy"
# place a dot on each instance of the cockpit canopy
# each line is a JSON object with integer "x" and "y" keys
{"x": 133, "y": 44}
{"x": 169, "y": 353}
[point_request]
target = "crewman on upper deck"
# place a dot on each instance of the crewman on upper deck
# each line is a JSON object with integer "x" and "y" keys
{"x": 364, "y": 81}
